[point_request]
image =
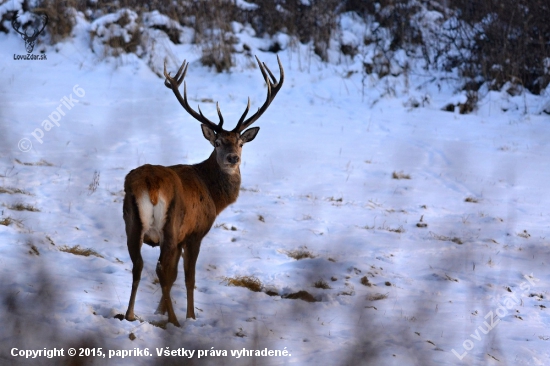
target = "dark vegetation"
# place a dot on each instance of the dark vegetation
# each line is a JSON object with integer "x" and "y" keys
{"x": 510, "y": 43}
{"x": 499, "y": 43}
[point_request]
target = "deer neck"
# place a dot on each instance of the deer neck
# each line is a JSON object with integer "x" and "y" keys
{"x": 224, "y": 188}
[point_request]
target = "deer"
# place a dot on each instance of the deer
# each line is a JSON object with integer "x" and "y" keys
{"x": 174, "y": 207}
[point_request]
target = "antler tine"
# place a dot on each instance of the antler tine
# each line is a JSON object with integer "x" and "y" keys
{"x": 180, "y": 75}
{"x": 174, "y": 83}
{"x": 270, "y": 73}
{"x": 273, "y": 88}
{"x": 219, "y": 114}
{"x": 45, "y": 22}
{"x": 244, "y": 114}
{"x": 262, "y": 68}
{"x": 200, "y": 112}
{"x": 13, "y": 21}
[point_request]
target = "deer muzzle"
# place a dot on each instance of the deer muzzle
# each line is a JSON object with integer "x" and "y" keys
{"x": 232, "y": 159}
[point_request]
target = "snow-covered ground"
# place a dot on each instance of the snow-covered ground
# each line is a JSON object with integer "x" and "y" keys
{"x": 320, "y": 178}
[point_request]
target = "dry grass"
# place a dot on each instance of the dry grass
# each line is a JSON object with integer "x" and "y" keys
{"x": 77, "y": 250}
{"x": 61, "y": 18}
{"x": 322, "y": 284}
{"x": 455, "y": 239}
{"x": 249, "y": 282}
{"x": 125, "y": 34}
{"x": 365, "y": 281}
{"x": 34, "y": 250}
{"x": 256, "y": 190}
{"x": 271, "y": 292}
{"x": 377, "y": 296}
{"x": 398, "y": 230}
{"x": 471, "y": 200}
{"x": 42, "y": 162}
{"x": 240, "y": 333}
{"x": 10, "y": 190}
{"x": 225, "y": 227}
{"x": 94, "y": 184}
{"x": 300, "y": 295}
{"x": 300, "y": 253}
{"x": 449, "y": 278}
{"x": 400, "y": 175}
{"x": 6, "y": 221}
{"x": 347, "y": 293}
{"x": 524, "y": 234}
{"x": 22, "y": 207}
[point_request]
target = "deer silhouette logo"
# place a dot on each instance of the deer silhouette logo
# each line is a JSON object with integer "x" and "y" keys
{"x": 37, "y": 24}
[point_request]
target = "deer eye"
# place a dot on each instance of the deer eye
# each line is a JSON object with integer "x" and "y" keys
{"x": 218, "y": 143}
{"x": 241, "y": 144}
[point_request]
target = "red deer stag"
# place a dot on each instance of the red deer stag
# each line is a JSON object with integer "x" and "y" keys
{"x": 174, "y": 207}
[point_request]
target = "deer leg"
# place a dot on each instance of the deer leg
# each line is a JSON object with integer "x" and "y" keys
{"x": 161, "y": 309}
{"x": 134, "y": 241}
{"x": 190, "y": 255}
{"x": 134, "y": 247}
{"x": 167, "y": 272}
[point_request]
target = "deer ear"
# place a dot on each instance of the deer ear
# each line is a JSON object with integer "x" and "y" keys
{"x": 209, "y": 134}
{"x": 250, "y": 134}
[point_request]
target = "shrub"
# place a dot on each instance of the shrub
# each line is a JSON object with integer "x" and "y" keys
{"x": 509, "y": 41}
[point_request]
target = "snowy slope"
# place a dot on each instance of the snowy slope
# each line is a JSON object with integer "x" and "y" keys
{"x": 317, "y": 179}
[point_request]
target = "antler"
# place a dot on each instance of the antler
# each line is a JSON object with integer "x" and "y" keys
{"x": 45, "y": 17}
{"x": 35, "y": 34}
{"x": 273, "y": 88}
{"x": 13, "y": 22}
{"x": 175, "y": 82}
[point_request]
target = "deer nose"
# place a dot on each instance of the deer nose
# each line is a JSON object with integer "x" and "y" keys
{"x": 232, "y": 158}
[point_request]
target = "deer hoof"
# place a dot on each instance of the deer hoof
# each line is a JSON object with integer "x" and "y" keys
{"x": 175, "y": 322}
{"x": 161, "y": 309}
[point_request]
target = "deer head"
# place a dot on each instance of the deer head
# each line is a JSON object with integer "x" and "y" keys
{"x": 227, "y": 144}
{"x": 29, "y": 40}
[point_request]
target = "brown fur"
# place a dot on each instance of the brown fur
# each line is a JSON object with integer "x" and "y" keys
{"x": 187, "y": 197}
{"x": 195, "y": 195}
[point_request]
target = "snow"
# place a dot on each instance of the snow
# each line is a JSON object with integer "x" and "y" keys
{"x": 246, "y": 5}
{"x": 10, "y": 6}
{"x": 318, "y": 178}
